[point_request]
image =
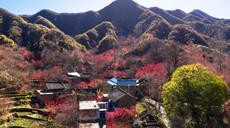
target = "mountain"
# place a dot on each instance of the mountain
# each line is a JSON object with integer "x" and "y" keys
{"x": 177, "y": 13}
{"x": 200, "y": 21}
{"x": 102, "y": 36}
{"x": 167, "y": 16}
{"x": 124, "y": 14}
{"x": 203, "y": 15}
{"x": 34, "y": 36}
{"x": 70, "y": 23}
{"x": 100, "y": 30}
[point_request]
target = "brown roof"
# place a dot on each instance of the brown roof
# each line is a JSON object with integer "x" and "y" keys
{"x": 57, "y": 85}
{"x": 118, "y": 93}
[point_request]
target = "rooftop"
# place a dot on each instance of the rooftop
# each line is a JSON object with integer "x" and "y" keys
{"x": 87, "y": 91}
{"x": 85, "y": 75}
{"x": 126, "y": 82}
{"x": 123, "y": 82}
{"x": 73, "y": 74}
{"x": 41, "y": 92}
{"x": 102, "y": 103}
{"x": 112, "y": 81}
{"x": 57, "y": 85}
{"x": 117, "y": 94}
{"x": 87, "y": 105}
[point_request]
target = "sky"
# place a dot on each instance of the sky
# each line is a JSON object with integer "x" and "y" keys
{"x": 216, "y": 8}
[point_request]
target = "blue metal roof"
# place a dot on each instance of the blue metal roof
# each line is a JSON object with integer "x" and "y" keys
{"x": 126, "y": 82}
{"x": 114, "y": 81}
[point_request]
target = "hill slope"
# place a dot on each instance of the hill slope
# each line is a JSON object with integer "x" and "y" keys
{"x": 34, "y": 36}
{"x": 121, "y": 18}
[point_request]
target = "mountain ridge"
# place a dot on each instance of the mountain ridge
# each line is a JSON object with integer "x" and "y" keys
{"x": 129, "y": 18}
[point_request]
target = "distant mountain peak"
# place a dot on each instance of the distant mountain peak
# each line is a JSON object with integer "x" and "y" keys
{"x": 46, "y": 12}
{"x": 124, "y": 14}
{"x": 167, "y": 16}
{"x": 202, "y": 15}
{"x": 177, "y": 13}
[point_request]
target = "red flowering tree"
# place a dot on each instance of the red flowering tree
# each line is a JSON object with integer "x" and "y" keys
{"x": 121, "y": 117}
{"x": 15, "y": 67}
{"x": 64, "y": 111}
{"x": 155, "y": 77}
{"x": 152, "y": 69}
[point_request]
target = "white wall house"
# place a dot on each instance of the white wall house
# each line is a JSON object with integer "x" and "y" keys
{"x": 89, "y": 110}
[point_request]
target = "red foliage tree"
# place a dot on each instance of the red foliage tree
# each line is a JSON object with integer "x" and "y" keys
{"x": 121, "y": 116}
{"x": 152, "y": 69}
{"x": 64, "y": 111}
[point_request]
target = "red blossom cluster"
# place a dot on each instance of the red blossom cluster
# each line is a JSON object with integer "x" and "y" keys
{"x": 152, "y": 69}
{"x": 64, "y": 111}
{"x": 106, "y": 57}
{"x": 55, "y": 106}
{"x": 120, "y": 116}
{"x": 48, "y": 74}
{"x": 117, "y": 65}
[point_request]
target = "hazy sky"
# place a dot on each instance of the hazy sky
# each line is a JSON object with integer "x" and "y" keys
{"x": 216, "y": 8}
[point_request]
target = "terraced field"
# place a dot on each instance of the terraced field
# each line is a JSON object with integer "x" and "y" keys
{"x": 23, "y": 115}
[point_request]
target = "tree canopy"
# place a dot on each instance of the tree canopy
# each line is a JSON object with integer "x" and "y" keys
{"x": 194, "y": 90}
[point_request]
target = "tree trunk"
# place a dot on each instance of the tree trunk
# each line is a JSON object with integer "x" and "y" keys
{"x": 196, "y": 118}
{"x": 220, "y": 123}
{"x": 209, "y": 123}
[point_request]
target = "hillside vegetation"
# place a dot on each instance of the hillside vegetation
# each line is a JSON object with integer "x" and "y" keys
{"x": 123, "y": 40}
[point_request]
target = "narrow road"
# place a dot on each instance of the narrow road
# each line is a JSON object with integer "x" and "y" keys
{"x": 161, "y": 111}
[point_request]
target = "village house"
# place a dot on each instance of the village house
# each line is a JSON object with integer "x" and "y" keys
{"x": 120, "y": 98}
{"x": 129, "y": 85}
{"x": 86, "y": 93}
{"x": 92, "y": 110}
{"x": 89, "y": 110}
{"x": 52, "y": 90}
{"x": 77, "y": 77}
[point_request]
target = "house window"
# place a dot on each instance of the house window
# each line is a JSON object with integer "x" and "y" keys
{"x": 102, "y": 106}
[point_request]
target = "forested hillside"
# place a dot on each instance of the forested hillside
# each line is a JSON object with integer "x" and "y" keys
{"x": 126, "y": 41}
